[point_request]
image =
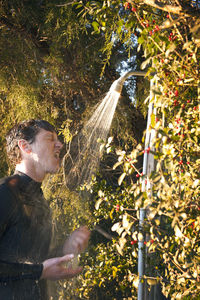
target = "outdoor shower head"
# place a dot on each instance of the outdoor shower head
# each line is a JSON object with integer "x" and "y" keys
{"x": 118, "y": 84}
{"x": 83, "y": 156}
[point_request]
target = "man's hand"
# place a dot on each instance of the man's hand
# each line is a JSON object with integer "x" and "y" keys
{"x": 56, "y": 268}
{"x": 77, "y": 241}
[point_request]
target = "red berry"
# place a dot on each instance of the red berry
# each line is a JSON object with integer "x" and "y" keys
{"x": 137, "y": 175}
{"x": 150, "y": 32}
{"x": 133, "y": 242}
{"x": 195, "y": 108}
{"x": 167, "y": 16}
{"x": 151, "y": 241}
{"x": 175, "y": 102}
{"x": 141, "y": 174}
{"x": 180, "y": 162}
{"x": 188, "y": 162}
{"x": 192, "y": 224}
{"x": 133, "y": 9}
{"x": 176, "y": 93}
{"x": 148, "y": 150}
{"x": 145, "y": 243}
{"x": 117, "y": 207}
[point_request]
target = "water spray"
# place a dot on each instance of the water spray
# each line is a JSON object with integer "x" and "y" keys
{"x": 83, "y": 153}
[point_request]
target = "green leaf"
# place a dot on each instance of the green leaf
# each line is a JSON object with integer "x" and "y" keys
{"x": 141, "y": 39}
{"x": 153, "y": 120}
{"x": 117, "y": 164}
{"x": 121, "y": 178}
{"x": 95, "y": 26}
{"x": 145, "y": 63}
{"x": 114, "y": 271}
{"x": 111, "y": 213}
{"x": 97, "y": 204}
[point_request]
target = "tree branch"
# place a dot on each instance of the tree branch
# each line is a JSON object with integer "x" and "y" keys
{"x": 168, "y": 8}
{"x": 182, "y": 10}
{"x": 40, "y": 44}
{"x": 103, "y": 232}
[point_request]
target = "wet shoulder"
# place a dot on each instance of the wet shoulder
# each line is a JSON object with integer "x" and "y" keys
{"x": 8, "y": 192}
{"x": 9, "y": 184}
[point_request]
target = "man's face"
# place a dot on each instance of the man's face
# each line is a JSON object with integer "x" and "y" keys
{"x": 46, "y": 150}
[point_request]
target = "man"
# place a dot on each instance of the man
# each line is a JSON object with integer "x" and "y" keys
{"x": 25, "y": 218}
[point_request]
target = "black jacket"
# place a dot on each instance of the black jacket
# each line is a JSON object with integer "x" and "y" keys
{"x": 25, "y": 236}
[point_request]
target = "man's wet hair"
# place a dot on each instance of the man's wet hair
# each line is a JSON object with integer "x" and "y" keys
{"x": 26, "y": 130}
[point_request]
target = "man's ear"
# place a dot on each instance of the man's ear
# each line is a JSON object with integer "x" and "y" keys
{"x": 24, "y": 146}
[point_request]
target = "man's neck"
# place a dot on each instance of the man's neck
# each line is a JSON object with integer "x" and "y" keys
{"x": 30, "y": 171}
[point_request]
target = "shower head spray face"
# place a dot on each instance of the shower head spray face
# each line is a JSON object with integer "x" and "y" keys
{"x": 117, "y": 86}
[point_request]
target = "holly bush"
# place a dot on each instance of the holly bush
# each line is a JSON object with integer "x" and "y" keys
{"x": 168, "y": 34}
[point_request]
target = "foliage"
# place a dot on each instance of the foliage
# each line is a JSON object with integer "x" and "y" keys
{"x": 169, "y": 37}
{"x": 116, "y": 260}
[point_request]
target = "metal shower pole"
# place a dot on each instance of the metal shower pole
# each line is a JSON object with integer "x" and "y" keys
{"x": 148, "y": 167}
